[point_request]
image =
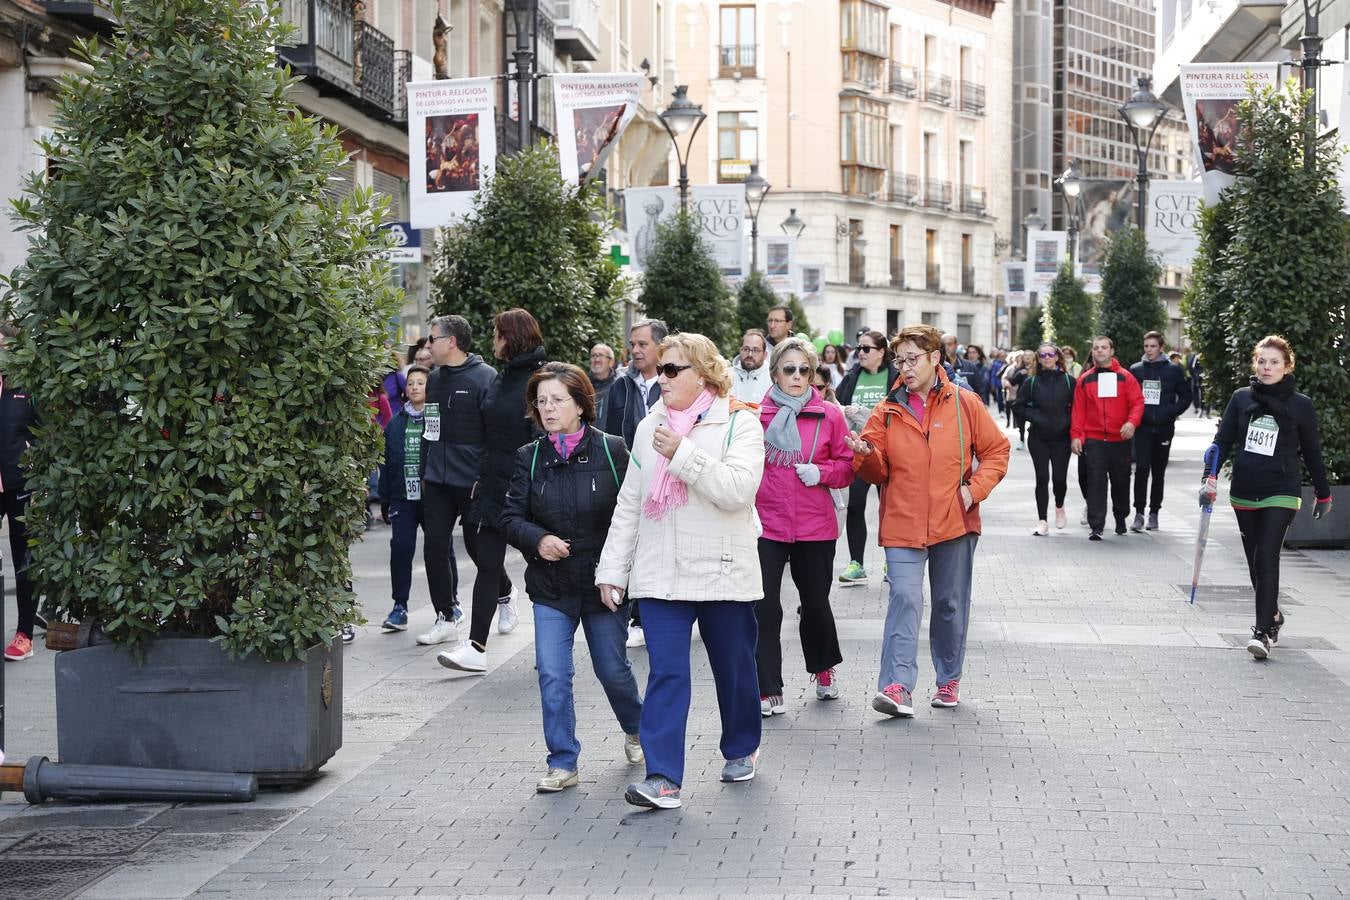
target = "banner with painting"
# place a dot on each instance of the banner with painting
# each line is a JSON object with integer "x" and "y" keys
{"x": 1173, "y": 211}
{"x": 1210, "y": 94}
{"x": 778, "y": 256}
{"x": 1106, "y": 206}
{"x": 1015, "y": 291}
{"x": 593, "y": 111}
{"x": 719, "y": 210}
{"x": 1045, "y": 254}
{"x": 454, "y": 121}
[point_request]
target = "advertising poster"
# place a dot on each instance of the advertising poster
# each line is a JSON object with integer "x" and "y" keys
{"x": 1045, "y": 253}
{"x": 718, "y": 208}
{"x": 1015, "y": 291}
{"x": 778, "y": 256}
{"x": 812, "y": 281}
{"x": 592, "y": 111}
{"x": 454, "y": 120}
{"x": 1106, "y": 207}
{"x": 1173, "y": 211}
{"x": 1210, "y": 94}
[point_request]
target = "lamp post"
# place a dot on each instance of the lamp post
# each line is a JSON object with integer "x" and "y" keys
{"x": 1143, "y": 112}
{"x": 793, "y": 226}
{"x": 523, "y": 16}
{"x": 756, "y": 189}
{"x": 1312, "y": 61}
{"x": 1070, "y": 185}
{"x": 679, "y": 118}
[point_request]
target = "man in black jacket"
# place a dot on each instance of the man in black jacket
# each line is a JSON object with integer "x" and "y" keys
{"x": 452, "y": 451}
{"x": 635, "y": 390}
{"x": 1167, "y": 394}
{"x": 17, "y": 418}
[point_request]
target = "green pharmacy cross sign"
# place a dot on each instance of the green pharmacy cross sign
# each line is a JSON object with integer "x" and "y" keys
{"x": 616, "y": 255}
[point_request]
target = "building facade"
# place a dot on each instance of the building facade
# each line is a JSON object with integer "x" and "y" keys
{"x": 884, "y": 126}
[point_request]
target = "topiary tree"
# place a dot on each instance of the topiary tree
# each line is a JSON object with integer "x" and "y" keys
{"x": 535, "y": 242}
{"x": 1206, "y": 304}
{"x": 201, "y": 326}
{"x": 682, "y": 283}
{"x": 753, "y": 301}
{"x": 1070, "y": 317}
{"x": 799, "y": 321}
{"x": 1031, "y": 332}
{"x": 1130, "y": 307}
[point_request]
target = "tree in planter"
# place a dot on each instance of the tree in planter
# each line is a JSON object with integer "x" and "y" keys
{"x": 753, "y": 301}
{"x": 1070, "y": 319}
{"x": 682, "y": 283}
{"x": 201, "y": 325}
{"x": 1032, "y": 330}
{"x": 1130, "y": 307}
{"x": 1205, "y": 304}
{"x": 535, "y": 242}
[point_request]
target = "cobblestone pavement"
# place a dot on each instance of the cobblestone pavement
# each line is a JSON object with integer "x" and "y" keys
{"x": 1112, "y": 740}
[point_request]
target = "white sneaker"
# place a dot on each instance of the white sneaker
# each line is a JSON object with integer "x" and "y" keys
{"x": 507, "y": 619}
{"x": 465, "y": 657}
{"x": 636, "y": 638}
{"x": 632, "y": 749}
{"x": 442, "y": 631}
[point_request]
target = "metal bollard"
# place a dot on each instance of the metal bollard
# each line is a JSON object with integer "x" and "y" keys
{"x": 45, "y": 780}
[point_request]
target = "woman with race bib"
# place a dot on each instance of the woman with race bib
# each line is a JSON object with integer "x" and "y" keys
{"x": 1267, "y": 427}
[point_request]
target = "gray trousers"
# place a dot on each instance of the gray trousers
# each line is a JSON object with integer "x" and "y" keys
{"x": 949, "y": 575}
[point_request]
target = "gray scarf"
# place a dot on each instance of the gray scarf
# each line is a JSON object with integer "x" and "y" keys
{"x": 782, "y": 440}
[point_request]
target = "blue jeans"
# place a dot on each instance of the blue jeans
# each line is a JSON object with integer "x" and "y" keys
{"x": 729, "y": 633}
{"x": 554, "y": 635}
{"x": 949, "y": 575}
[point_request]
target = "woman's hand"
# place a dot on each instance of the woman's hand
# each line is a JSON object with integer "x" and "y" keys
{"x": 967, "y": 501}
{"x": 610, "y": 595}
{"x": 857, "y": 444}
{"x": 553, "y": 548}
{"x": 665, "y": 441}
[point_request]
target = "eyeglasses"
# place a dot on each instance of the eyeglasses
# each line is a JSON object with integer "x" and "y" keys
{"x": 546, "y": 402}
{"x": 910, "y": 361}
{"x": 790, "y": 370}
{"x": 1051, "y": 355}
{"x": 436, "y": 337}
{"x": 752, "y": 349}
{"x": 670, "y": 370}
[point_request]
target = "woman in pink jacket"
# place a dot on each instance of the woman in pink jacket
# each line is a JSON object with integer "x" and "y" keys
{"x": 805, "y": 454}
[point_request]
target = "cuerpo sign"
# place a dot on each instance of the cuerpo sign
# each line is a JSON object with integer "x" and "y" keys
{"x": 1173, "y": 213}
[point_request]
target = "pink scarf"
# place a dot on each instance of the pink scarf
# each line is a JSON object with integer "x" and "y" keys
{"x": 669, "y": 492}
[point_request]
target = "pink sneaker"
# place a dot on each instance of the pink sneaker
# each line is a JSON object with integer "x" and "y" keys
{"x": 946, "y": 695}
{"x": 826, "y": 689}
{"x": 20, "y": 648}
{"x": 894, "y": 700}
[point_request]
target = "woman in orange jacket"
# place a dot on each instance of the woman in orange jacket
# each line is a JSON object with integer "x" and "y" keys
{"x": 937, "y": 454}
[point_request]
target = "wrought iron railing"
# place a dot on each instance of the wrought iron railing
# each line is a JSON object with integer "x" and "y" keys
{"x": 972, "y": 200}
{"x": 934, "y": 280}
{"x": 897, "y": 273}
{"x": 972, "y": 98}
{"x": 937, "y": 88}
{"x": 904, "y": 79}
{"x": 737, "y": 60}
{"x": 402, "y": 75}
{"x": 967, "y": 279}
{"x": 937, "y": 194}
{"x": 903, "y": 188}
{"x": 375, "y": 66}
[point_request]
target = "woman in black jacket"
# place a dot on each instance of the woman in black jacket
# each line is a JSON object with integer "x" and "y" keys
{"x": 557, "y": 513}
{"x": 516, "y": 341}
{"x": 1045, "y": 401}
{"x": 865, "y": 385}
{"x": 1267, "y": 427}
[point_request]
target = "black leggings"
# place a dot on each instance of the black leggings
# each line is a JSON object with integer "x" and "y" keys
{"x": 1049, "y": 456}
{"x": 811, "y": 564}
{"x": 490, "y": 584}
{"x": 14, "y": 506}
{"x": 1262, "y": 537}
{"x": 855, "y": 523}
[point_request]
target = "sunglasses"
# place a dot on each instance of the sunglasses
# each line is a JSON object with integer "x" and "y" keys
{"x": 1047, "y": 355}
{"x": 863, "y": 348}
{"x": 670, "y": 370}
{"x": 796, "y": 370}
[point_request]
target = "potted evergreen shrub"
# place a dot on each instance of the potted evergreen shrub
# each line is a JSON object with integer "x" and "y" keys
{"x": 201, "y": 324}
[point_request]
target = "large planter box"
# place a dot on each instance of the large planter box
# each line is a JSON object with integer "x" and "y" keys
{"x": 188, "y": 705}
{"x": 1332, "y": 532}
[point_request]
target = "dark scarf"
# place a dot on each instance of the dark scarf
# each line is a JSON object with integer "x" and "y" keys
{"x": 1273, "y": 399}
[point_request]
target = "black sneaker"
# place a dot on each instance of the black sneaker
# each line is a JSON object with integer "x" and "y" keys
{"x": 1136, "y": 526}
{"x": 1273, "y": 632}
{"x": 1120, "y": 526}
{"x": 1259, "y": 645}
{"x": 1095, "y": 536}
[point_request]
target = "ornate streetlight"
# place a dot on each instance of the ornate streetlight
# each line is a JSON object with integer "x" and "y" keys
{"x": 756, "y": 189}
{"x": 1070, "y": 184}
{"x": 681, "y": 118}
{"x": 793, "y": 226}
{"x": 1143, "y": 112}
{"x": 523, "y": 17}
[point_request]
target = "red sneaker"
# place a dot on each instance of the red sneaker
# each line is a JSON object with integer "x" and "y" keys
{"x": 894, "y": 700}
{"x": 946, "y": 695}
{"x": 826, "y": 688}
{"x": 19, "y": 648}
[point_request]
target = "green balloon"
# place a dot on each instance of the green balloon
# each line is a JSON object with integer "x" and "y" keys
{"x": 819, "y": 344}
{"x": 802, "y": 335}
{"x": 836, "y": 336}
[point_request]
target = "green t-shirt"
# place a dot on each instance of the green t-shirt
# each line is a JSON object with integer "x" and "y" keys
{"x": 871, "y": 388}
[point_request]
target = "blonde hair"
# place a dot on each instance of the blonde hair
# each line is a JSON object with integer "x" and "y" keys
{"x": 788, "y": 345}
{"x": 1277, "y": 343}
{"x": 703, "y": 356}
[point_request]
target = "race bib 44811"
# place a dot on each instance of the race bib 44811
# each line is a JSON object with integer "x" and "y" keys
{"x": 1262, "y": 435}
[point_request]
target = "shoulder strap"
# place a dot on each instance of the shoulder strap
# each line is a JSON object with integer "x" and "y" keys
{"x": 534, "y": 459}
{"x": 960, "y": 437}
{"x": 815, "y": 440}
{"x": 604, "y": 441}
{"x": 731, "y": 428}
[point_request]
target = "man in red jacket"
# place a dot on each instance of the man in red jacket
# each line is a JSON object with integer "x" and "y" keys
{"x": 1108, "y": 406}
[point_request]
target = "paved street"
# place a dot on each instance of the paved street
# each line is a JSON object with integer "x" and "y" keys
{"x": 1112, "y": 740}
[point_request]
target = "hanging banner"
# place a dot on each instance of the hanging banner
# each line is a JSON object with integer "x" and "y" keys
{"x": 778, "y": 253}
{"x": 1210, "y": 94}
{"x": 455, "y": 121}
{"x": 1046, "y": 253}
{"x": 718, "y": 208}
{"x": 592, "y": 111}
{"x": 811, "y": 276}
{"x": 1173, "y": 211}
{"x": 1015, "y": 291}
{"x": 1108, "y": 205}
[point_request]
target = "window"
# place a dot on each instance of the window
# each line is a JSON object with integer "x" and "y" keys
{"x": 737, "y": 144}
{"x": 897, "y": 257}
{"x": 863, "y": 27}
{"x": 853, "y": 320}
{"x": 863, "y": 151}
{"x": 965, "y": 327}
{"x": 933, "y": 273}
{"x": 857, "y": 262}
{"x": 931, "y": 318}
{"x": 892, "y": 322}
{"x": 737, "y": 51}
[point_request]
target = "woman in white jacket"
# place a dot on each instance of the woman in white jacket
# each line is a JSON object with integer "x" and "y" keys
{"x": 683, "y": 541}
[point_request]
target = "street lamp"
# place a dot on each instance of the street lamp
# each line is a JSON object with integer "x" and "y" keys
{"x": 523, "y": 16}
{"x": 793, "y": 226}
{"x": 756, "y": 189}
{"x": 682, "y": 117}
{"x": 1143, "y": 112}
{"x": 1070, "y": 184}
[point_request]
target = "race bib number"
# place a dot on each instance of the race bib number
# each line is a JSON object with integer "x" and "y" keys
{"x": 412, "y": 487}
{"x": 1106, "y": 385}
{"x": 1152, "y": 392}
{"x": 1262, "y": 433}
{"x": 431, "y": 431}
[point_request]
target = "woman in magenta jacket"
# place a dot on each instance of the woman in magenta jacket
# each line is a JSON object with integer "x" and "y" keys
{"x": 805, "y": 454}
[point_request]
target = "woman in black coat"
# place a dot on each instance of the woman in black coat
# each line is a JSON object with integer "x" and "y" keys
{"x": 517, "y": 342}
{"x": 1045, "y": 401}
{"x": 1267, "y": 427}
{"x": 557, "y": 513}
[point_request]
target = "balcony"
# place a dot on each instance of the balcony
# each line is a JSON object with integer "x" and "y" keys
{"x": 93, "y": 16}
{"x": 934, "y": 280}
{"x": 857, "y": 268}
{"x": 577, "y": 29}
{"x": 340, "y": 54}
{"x": 967, "y": 279}
{"x": 904, "y": 80}
{"x": 937, "y": 89}
{"x": 972, "y": 200}
{"x": 898, "y": 273}
{"x": 972, "y": 98}
{"x": 737, "y": 61}
{"x": 374, "y": 67}
{"x": 903, "y": 188}
{"x": 402, "y": 75}
{"x": 937, "y": 194}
